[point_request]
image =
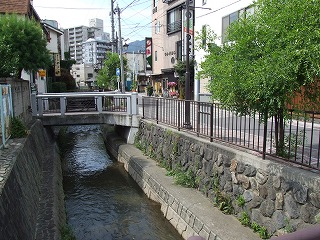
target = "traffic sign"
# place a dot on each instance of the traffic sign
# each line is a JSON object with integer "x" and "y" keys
{"x": 117, "y": 71}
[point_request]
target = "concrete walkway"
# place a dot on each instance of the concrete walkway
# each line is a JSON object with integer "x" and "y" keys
{"x": 188, "y": 210}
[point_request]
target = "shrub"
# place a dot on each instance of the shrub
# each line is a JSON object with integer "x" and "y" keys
{"x": 18, "y": 129}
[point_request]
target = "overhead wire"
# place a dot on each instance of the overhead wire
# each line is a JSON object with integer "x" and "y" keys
{"x": 138, "y": 28}
{"x": 219, "y": 9}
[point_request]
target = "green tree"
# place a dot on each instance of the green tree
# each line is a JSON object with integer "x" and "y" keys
{"x": 68, "y": 62}
{"x": 180, "y": 69}
{"x": 269, "y": 56}
{"x": 22, "y": 46}
{"x": 107, "y": 77}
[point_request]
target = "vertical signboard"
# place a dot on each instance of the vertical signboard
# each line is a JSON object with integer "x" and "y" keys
{"x": 188, "y": 37}
{"x": 149, "y": 53}
{"x": 6, "y": 111}
{"x": 57, "y": 65}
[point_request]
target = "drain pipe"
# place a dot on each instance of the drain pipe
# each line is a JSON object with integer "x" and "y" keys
{"x": 310, "y": 233}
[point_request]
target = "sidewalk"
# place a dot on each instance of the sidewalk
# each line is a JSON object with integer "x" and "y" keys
{"x": 188, "y": 210}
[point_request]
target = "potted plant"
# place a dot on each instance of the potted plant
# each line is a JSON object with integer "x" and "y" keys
{"x": 149, "y": 89}
{"x": 134, "y": 86}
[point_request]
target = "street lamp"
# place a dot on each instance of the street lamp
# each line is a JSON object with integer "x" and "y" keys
{"x": 125, "y": 47}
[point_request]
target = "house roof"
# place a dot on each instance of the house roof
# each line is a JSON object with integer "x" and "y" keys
{"x": 48, "y": 26}
{"x": 21, "y": 7}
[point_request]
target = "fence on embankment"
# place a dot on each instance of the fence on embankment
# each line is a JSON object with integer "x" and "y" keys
{"x": 211, "y": 121}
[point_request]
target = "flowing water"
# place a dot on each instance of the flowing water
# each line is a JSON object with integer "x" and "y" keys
{"x": 102, "y": 200}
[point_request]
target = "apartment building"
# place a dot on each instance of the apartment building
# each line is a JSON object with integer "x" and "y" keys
{"x": 168, "y": 18}
{"x": 76, "y": 36}
{"x": 216, "y": 15}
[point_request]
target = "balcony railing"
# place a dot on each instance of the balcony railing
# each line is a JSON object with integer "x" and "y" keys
{"x": 174, "y": 26}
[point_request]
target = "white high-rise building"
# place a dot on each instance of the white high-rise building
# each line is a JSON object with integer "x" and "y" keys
{"x": 76, "y": 36}
{"x": 96, "y": 23}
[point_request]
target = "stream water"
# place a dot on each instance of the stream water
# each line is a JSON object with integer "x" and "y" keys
{"x": 102, "y": 200}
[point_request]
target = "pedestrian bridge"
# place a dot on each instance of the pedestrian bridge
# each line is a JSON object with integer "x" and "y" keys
{"x": 79, "y": 108}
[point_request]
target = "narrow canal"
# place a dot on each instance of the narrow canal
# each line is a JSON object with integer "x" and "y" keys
{"x": 102, "y": 200}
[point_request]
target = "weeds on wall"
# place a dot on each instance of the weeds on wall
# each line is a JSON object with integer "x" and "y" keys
{"x": 67, "y": 234}
{"x": 245, "y": 220}
{"x": 184, "y": 178}
{"x": 221, "y": 200}
{"x": 18, "y": 129}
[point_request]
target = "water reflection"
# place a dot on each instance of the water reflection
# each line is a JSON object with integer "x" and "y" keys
{"x": 102, "y": 200}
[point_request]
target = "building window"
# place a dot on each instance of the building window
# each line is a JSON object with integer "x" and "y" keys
{"x": 227, "y": 20}
{"x": 156, "y": 56}
{"x": 155, "y": 6}
{"x": 157, "y": 27}
{"x": 90, "y": 75}
{"x": 155, "y": 3}
{"x": 179, "y": 50}
{"x": 174, "y": 20}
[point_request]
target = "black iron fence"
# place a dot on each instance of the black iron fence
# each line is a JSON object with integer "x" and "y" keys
{"x": 301, "y": 140}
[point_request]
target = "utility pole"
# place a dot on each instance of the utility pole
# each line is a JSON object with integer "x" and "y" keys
{"x": 120, "y": 52}
{"x": 112, "y": 28}
{"x": 187, "y": 123}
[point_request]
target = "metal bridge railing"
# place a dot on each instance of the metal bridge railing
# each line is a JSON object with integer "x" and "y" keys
{"x": 211, "y": 121}
{"x": 101, "y": 102}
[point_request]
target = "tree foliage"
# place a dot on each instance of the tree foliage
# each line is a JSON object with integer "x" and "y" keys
{"x": 107, "y": 77}
{"x": 268, "y": 57}
{"x": 180, "y": 69}
{"x": 22, "y": 46}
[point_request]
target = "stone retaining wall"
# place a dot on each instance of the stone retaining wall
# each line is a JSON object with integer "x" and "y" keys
{"x": 278, "y": 196}
{"x": 31, "y": 203}
{"x": 188, "y": 210}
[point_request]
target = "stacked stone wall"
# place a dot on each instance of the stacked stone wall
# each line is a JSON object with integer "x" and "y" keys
{"x": 277, "y": 196}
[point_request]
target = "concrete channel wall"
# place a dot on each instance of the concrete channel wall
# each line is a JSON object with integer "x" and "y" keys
{"x": 31, "y": 192}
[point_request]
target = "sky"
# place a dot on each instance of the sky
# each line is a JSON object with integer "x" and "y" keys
{"x": 135, "y": 15}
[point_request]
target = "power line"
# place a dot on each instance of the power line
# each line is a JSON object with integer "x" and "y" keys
{"x": 219, "y": 9}
{"x": 71, "y": 8}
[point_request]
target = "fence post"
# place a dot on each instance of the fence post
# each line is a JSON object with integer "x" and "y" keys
{"x": 63, "y": 107}
{"x": 211, "y": 122}
{"x": 40, "y": 106}
{"x": 157, "y": 110}
{"x": 34, "y": 104}
{"x": 143, "y": 106}
{"x": 265, "y": 131}
{"x": 99, "y": 103}
{"x": 134, "y": 103}
{"x": 179, "y": 115}
{"x": 129, "y": 105}
{"x": 198, "y": 119}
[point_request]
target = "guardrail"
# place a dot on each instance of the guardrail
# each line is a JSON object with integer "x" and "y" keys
{"x": 100, "y": 102}
{"x": 211, "y": 121}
